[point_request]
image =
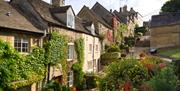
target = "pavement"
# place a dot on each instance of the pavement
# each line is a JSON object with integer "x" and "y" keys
{"x": 138, "y": 50}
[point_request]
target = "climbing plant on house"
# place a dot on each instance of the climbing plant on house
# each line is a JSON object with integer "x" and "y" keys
{"x": 16, "y": 70}
{"x": 56, "y": 52}
{"x": 77, "y": 68}
{"x": 56, "y": 48}
{"x": 121, "y": 29}
{"x": 22, "y": 70}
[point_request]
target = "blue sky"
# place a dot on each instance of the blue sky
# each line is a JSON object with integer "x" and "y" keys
{"x": 146, "y": 8}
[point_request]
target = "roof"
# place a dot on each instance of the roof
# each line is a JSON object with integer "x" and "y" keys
{"x": 10, "y": 18}
{"x": 26, "y": 9}
{"x": 43, "y": 9}
{"x": 62, "y": 9}
{"x": 79, "y": 25}
{"x": 98, "y": 18}
{"x": 121, "y": 17}
{"x": 165, "y": 19}
{"x": 103, "y": 13}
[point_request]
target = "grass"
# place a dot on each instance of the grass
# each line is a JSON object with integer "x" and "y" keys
{"x": 170, "y": 52}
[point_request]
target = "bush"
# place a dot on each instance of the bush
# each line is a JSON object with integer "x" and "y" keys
{"x": 55, "y": 86}
{"x": 78, "y": 76}
{"x": 118, "y": 73}
{"x": 164, "y": 81}
{"x": 108, "y": 58}
{"x": 91, "y": 81}
{"x": 113, "y": 48}
{"x": 176, "y": 66}
{"x": 153, "y": 64}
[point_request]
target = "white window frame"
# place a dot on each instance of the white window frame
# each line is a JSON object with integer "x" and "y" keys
{"x": 73, "y": 50}
{"x": 70, "y": 20}
{"x": 97, "y": 47}
{"x": 90, "y": 47}
{"x": 22, "y": 41}
{"x": 70, "y": 78}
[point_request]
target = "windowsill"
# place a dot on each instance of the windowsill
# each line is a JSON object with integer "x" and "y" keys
{"x": 70, "y": 85}
{"x": 70, "y": 59}
{"x": 24, "y": 53}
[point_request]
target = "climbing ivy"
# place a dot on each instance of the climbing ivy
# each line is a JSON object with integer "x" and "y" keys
{"x": 56, "y": 48}
{"x": 56, "y": 52}
{"x": 77, "y": 68}
{"x": 21, "y": 70}
{"x": 79, "y": 47}
{"x": 17, "y": 70}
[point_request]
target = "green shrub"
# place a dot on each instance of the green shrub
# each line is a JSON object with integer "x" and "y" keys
{"x": 176, "y": 66}
{"x": 91, "y": 81}
{"x": 55, "y": 86}
{"x": 165, "y": 80}
{"x": 113, "y": 48}
{"x": 78, "y": 76}
{"x": 122, "y": 71}
{"x": 108, "y": 58}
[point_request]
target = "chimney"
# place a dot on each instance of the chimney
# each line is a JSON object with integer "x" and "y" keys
{"x": 110, "y": 10}
{"x": 131, "y": 9}
{"x": 58, "y": 3}
{"x": 120, "y": 9}
{"x": 125, "y": 8}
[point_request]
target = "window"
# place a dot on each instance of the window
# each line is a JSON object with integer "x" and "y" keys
{"x": 21, "y": 44}
{"x": 70, "y": 51}
{"x": 70, "y": 78}
{"x": 90, "y": 47}
{"x": 96, "y": 47}
{"x": 70, "y": 21}
{"x": 90, "y": 65}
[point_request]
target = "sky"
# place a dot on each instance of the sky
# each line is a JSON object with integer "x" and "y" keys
{"x": 146, "y": 8}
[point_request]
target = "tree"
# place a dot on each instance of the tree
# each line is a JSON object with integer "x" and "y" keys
{"x": 171, "y": 6}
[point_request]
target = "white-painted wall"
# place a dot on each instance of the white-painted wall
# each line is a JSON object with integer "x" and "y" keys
{"x": 91, "y": 55}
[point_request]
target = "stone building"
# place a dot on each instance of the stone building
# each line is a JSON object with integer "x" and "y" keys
{"x": 131, "y": 18}
{"x": 101, "y": 26}
{"x": 61, "y": 18}
{"x": 165, "y": 30}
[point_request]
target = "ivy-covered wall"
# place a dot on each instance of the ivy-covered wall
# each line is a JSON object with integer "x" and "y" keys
{"x": 18, "y": 70}
{"x": 77, "y": 67}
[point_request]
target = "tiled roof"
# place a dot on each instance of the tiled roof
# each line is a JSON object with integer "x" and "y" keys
{"x": 43, "y": 9}
{"x": 11, "y": 18}
{"x": 165, "y": 19}
{"x": 97, "y": 18}
{"x": 121, "y": 17}
{"x": 103, "y": 13}
{"x": 62, "y": 9}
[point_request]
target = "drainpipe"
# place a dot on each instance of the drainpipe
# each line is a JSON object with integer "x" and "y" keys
{"x": 93, "y": 52}
{"x": 42, "y": 38}
{"x": 41, "y": 46}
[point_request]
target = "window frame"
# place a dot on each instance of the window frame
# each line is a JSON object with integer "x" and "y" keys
{"x": 70, "y": 20}
{"x": 72, "y": 50}
{"x": 90, "y": 47}
{"x": 22, "y": 44}
{"x": 70, "y": 78}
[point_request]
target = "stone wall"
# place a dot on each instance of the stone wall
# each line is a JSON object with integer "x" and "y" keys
{"x": 165, "y": 36}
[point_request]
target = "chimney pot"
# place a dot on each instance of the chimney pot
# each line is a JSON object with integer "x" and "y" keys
{"x": 120, "y": 9}
{"x": 110, "y": 10}
{"x": 58, "y": 3}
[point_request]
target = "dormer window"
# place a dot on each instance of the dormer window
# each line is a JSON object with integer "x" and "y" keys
{"x": 70, "y": 20}
{"x": 92, "y": 29}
